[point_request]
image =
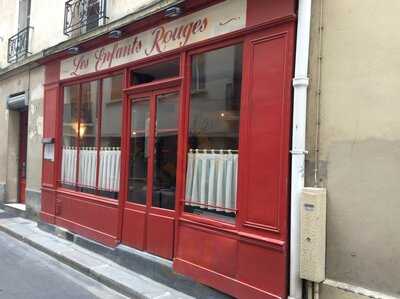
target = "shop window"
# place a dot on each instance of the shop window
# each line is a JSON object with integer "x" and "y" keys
{"x": 212, "y": 167}
{"x": 91, "y": 152}
{"x": 87, "y": 132}
{"x": 70, "y": 131}
{"x": 154, "y": 72}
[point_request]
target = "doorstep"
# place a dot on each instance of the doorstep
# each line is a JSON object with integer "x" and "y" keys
{"x": 121, "y": 279}
{"x": 14, "y": 208}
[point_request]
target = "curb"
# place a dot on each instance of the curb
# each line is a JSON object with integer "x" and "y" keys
{"x": 131, "y": 293}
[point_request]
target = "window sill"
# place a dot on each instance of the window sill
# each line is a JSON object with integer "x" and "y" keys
{"x": 208, "y": 222}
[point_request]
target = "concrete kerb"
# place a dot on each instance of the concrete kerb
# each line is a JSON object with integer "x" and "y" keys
{"x": 113, "y": 284}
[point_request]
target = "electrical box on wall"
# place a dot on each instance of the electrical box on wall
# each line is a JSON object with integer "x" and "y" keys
{"x": 313, "y": 234}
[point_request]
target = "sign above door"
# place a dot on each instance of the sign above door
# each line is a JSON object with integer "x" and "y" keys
{"x": 222, "y": 18}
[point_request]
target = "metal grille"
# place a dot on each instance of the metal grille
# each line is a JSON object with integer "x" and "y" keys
{"x": 18, "y": 45}
{"x": 83, "y": 15}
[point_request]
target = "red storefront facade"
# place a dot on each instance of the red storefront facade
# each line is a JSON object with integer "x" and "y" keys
{"x": 174, "y": 140}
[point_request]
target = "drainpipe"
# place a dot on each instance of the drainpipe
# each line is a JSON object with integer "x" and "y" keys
{"x": 300, "y": 85}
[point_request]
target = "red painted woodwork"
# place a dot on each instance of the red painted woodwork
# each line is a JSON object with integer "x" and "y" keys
{"x": 260, "y": 234}
{"x": 160, "y": 235}
{"x": 262, "y": 11}
{"x": 23, "y": 135}
{"x": 145, "y": 227}
{"x": 134, "y": 227}
{"x": 48, "y": 207}
{"x": 243, "y": 267}
{"x": 247, "y": 259}
{"x": 266, "y": 134}
{"x": 87, "y": 216}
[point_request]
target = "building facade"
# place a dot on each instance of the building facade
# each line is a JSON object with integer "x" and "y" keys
{"x": 171, "y": 127}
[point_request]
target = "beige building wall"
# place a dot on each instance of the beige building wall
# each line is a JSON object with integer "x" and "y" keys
{"x": 9, "y": 132}
{"x": 31, "y": 82}
{"x": 358, "y": 141}
{"x": 117, "y": 9}
{"x": 8, "y": 26}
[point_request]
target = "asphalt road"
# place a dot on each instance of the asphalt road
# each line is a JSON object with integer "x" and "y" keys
{"x": 27, "y": 273}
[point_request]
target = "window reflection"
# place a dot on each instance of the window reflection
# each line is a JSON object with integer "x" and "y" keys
{"x": 211, "y": 177}
{"x": 110, "y": 137}
{"x": 70, "y": 141}
{"x": 139, "y": 151}
{"x": 87, "y": 137}
{"x": 91, "y": 153}
{"x": 166, "y": 146}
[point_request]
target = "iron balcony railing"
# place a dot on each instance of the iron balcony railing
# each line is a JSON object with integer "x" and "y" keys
{"x": 83, "y": 15}
{"x": 18, "y": 45}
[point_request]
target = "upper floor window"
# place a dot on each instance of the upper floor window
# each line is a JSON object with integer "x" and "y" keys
{"x": 81, "y": 16}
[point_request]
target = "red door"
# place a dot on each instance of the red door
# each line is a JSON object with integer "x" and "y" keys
{"x": 149, "y": 213}
{"x": 23, "y": 133}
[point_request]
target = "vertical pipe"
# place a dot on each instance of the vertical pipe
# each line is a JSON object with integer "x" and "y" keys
{"x": 300, "y": 85}
{"x": 316, "y": 290}
{"x": 310, "y": 290}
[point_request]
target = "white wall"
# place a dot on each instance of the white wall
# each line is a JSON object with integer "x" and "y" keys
{"x": 47, "y": 20}
{"x": 8, "y": 26}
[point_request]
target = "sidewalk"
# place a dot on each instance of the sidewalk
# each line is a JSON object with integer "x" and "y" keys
{"x": 94, "y": 265}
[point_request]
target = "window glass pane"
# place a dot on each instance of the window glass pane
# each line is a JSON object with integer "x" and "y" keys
{"x": 139, "y": 152}
{"x": 166, "y": 140}
{"x": 147, "y": 74}
{"x": 70, "y": 133}
{"x": 211, "y": 180}
{"x": 88, "y": 133}
{"x": 110, "y": 137}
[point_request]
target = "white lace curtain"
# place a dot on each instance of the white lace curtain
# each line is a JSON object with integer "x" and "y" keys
{"x": 109, "y": 167}
{"x": 211, "y": 179}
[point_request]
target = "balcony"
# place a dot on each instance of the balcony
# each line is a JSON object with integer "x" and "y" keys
{"x": 18, "y": 45}
{"x": 81, "y": 16}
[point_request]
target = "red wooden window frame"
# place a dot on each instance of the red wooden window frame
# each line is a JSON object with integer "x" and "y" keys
{"x": 185, "y": 115}
{"x": 99, "y": 102}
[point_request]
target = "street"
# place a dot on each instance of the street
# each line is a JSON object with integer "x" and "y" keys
{"x": 27, "y": 273}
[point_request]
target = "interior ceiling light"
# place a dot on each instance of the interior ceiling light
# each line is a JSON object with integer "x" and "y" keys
{"x": 173, "y": 12}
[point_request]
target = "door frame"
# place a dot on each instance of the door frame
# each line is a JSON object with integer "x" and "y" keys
{"x": 22, "y": 151}
{"x": 150, "y": 91}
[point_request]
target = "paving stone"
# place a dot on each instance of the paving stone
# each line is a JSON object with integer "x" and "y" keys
{"x": 104, "y": 270}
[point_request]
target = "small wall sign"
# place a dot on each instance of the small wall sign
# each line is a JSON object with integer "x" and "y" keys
{"x": 48, "y": 151}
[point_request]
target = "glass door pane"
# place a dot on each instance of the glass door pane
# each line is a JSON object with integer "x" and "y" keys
{"x": 139, "y": 150}
{"x": 165, "y": 151}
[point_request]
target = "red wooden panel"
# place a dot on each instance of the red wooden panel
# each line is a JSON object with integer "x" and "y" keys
{"x": 84, "y": 212}
{"x": 133, "y": 228}
{"x": 208, "y": 249}
{"x": 260, "y": 11}
{"x": 263, "y": 268}
{"x": 52, "y": 72}
{"x": 87, "y": 232}
{"x": 160, "y": 235}
{"x": 49, "y": 130}
{"x": 240, "y": 266}
{"x": 48, "y": 198}
{"x": 50, "y": 110}
{"x": 267, "y": 129}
